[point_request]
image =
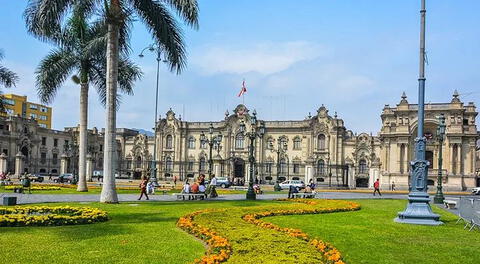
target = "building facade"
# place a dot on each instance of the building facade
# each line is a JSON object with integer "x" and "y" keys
{"x": 16, "y": 105}
{"x": 319, "y": 147}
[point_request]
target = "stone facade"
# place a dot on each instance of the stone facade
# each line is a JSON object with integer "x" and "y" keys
{"x": 319, "y": 147}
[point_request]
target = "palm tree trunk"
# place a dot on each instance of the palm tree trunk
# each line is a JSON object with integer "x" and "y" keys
{"x": 109, "y": 194}
{"x": 82, "y": 179}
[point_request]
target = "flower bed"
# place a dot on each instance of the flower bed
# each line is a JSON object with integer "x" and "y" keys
{"x": 330, "y": 253}
{"x": 219, "y": 249}
{"x": 35, "y": 188}
{"x": 50, "y": 216}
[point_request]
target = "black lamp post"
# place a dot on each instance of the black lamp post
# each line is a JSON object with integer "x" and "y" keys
{"x": 256, "y": 131}
{"x": 280, "y": 150}
{"x": 211, "y": 141}
{"x": 438, "y": 199}
{"x": 154, "y": 48}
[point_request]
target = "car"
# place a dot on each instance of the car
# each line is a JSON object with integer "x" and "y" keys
{"x": 223, "y": 182}
{"x": 65, "y": 178}
{"x": 297, "y": 183}
{"x": 36, "y": 177}
{"x": 476, "y": 191}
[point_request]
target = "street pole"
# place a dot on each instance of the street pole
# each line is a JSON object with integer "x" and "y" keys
{"x": 438, "y": 199}
{"x": 251, "y": 158}
{"x": 418, "y": 210}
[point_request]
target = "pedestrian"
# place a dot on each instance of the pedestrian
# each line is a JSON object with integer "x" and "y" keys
{"x": 376, "y": 186}
{"x": 201, "y": 185}
{"x": 175, "y": 181}
{"x": 150, "y": 188}
{"x": 213, "y": 185}
{"x": 393, "y": 186}
{"x": 26, "y": 183}
{"x": 291, "y": 190}
{"x": 143, "y": 188}
{"x": 312, "y": 185}
{"x": 50, "y": 176}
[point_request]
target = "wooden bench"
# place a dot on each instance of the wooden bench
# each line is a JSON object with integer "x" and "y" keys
{"x": 190, "y": 196}
{"x": 303, "y": 195}
{"x": 450, "y": 204}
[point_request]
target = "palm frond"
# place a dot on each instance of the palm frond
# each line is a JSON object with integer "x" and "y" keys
{"x": 165, "y": 31}
{"x": 52, "y": 73}
{"x": 187, "y": 10}
{"x": 44, "y": 17}
{"x": 128, "y": 74}
{"x": 7, "y": 77}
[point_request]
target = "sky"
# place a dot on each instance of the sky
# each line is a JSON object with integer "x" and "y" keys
{"x": 353, "y": 56}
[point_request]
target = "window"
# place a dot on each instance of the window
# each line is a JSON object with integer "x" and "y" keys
{"x": 55, "y": 142}
{"x": 5, "y": 151}
{"x": 268, "y": 167}
{"x": 42, "y": 125}
{"x": 362, "y": 167}
{"x": 43, "y": 118}
{"x": 43, "y": 109}
{"x": 321, "y": 141}
{"x": 129, "y": 164}
{"x": 32, "y": 115}
{"x": 54, "y": 158}
{"x": 283, "y": 143}
{"x": 168, "y": 164}
{"x": 191, "y": 143}
{"x": 43, "y": 157}
{"x": 239, "y": 141}
{"x": 66, "y": 143}
{"x": 270, "y": 143}
{"x": 297, "y": 143}
{"x": 190, "y": 166}
{"x": 296, "y": 168}
{"x": 9, "y": 101}
{"x": 138, "y": 163}
{"x": 202, "y": 164}
{"x": 44, "y": 141}
{"x": 321, "y": 167}
{"x": 169, "y": 142}
{"x": 101, "y": 147}
{"x": 34, "y": 107}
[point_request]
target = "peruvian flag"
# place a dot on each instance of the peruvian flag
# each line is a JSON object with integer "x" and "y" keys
{"x": 244, "y": 89}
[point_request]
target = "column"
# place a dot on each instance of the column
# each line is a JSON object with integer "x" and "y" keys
{"x": 3, "y": 163}
{"x": 351, "y": 177}
{"x": 308, "y": 173}
{"x": 63, "y": 164}
{"x": 89, "y": 168}
{"x": 19, "y": 164}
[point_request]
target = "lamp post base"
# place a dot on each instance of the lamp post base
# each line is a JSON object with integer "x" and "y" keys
{"x": 251, "y": 193}
{"x": 439, "y": 198}
{"x": 418, "y": 211}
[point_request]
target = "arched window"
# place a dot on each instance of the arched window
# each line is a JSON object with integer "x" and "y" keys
{"x": 321, "y": 141}
{"x": 283, "y": 143}
{"x": 191, "y": 143}
{"x": 138, "y": 164}
{"x": 362, "y": 166}
{"x": 168, "y": 164}
{"x": 169, "y": 142}
{"x": 270, "y": 143}
{"x": 297, "y": 143}
{"x": 202, "y": 164}
{"x": 239, "y": 142}
{"x": 321, "y": 167}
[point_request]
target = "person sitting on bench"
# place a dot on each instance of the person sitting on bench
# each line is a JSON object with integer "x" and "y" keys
{"x": 186, "y": 189}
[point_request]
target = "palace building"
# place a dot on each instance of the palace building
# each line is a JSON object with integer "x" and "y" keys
{"x": 319, "y": 147}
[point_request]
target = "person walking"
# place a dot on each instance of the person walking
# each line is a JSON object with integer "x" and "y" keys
{"x": 175, "y": 181}
{"x": 393, "y": 186}
{"x": 143, "y": 188}
{"x": 26, "y": 183}
{"x": 213, "y": 185}
{"x": 376, "y": 186}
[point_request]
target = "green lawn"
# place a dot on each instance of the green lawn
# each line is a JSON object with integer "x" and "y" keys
{"x": 146, "y": 233}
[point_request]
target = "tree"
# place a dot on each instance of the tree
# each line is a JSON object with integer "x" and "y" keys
{"x": 81, "y": 49}
{"x": 7, "y": 79}
{"x": 43, "y": 16}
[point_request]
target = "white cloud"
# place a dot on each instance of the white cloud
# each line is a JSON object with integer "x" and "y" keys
{"x": 263, "y": 58}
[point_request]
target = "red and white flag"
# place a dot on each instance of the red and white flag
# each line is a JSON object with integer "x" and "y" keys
{"x": 244, "y": 89}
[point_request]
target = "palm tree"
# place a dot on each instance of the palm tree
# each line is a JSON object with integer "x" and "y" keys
{"x": 7, "y": 79}
{"x": 81, "y": 49}
{"x": 44, "y": 16}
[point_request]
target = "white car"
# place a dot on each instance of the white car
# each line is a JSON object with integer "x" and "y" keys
{"x": 297, "y": 183}
{"x": 476, "y": 191}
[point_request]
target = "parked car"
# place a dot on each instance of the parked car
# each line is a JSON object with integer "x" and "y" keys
{"x": 223, "y": 182}
{"x": 297, "y": 183}
{"x": 476, "y": 191}
{"x": 65, "y": 178}
{"x": 36, "y": 177}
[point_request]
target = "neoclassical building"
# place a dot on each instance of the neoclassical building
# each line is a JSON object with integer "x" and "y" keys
{"x": 319, "y": 147}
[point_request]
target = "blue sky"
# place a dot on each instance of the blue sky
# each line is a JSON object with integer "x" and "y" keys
{"x": 353, "y": 56}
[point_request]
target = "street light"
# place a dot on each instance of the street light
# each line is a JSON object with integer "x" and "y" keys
{"x": 257, "y": 130}
{"x": 154, "y": 48}
{"x": 418, "y": 210}
{"x": 211, "y": 141}
{"x": 280, "y": 150}
{"x": 438, "y": 199}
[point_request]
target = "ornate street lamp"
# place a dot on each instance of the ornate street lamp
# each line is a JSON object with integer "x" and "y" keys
{"x": 280, "y": 150}
{"x": 438, "y": 199}
{"x": 211, "y": 141}
{"x": 154, "y": 48}
{"x": 418, "y": 210}
{"x": 258, "y": 130}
